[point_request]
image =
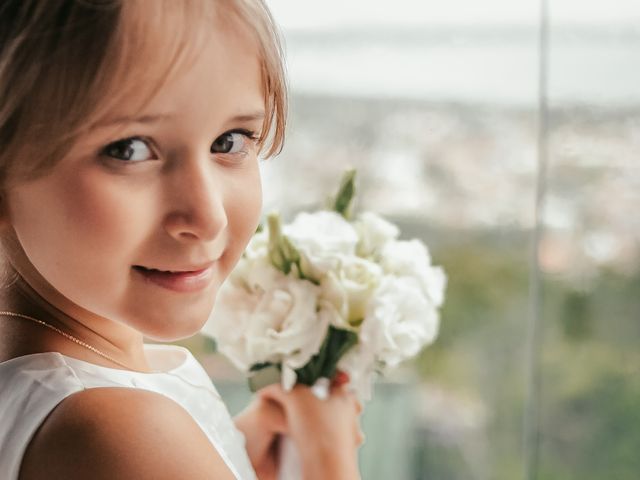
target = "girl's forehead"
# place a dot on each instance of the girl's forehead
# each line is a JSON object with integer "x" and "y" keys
{"x": 222, "y": 81}
{"x": 165, "y": 32}
{"x": 171, "y": 63}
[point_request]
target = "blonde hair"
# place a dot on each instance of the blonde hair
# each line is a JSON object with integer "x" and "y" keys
{"x": 64, "y": 64}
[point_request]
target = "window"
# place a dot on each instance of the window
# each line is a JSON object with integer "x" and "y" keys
{"x": 451, "y": 112}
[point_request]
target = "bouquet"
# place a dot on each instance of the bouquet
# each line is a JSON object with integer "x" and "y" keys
{"x": 327, "y": 292}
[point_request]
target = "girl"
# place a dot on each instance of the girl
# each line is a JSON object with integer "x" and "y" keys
{"x": 129, "y": 137}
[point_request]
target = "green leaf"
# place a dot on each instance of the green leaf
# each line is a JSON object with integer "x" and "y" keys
{"x": 259, "y": 366}
{"x": 340, "y": 341}
{"x": 276, "y": 253}
{"x": 324, "y": 363}
{"x": 282, "y": 252}
{"x": 346, "y": 193}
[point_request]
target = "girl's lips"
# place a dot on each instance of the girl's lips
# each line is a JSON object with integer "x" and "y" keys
{"x": 191, "y": 281}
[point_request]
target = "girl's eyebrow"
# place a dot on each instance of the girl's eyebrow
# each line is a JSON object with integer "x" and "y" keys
{"x": 147, "y": 119}
{"x": 126, "y": 119}
{"x": 248, "y": 117}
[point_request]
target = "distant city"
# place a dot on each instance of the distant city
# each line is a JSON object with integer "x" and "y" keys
{"x": 472, "y": 167}
{"x": 442, "y": 123}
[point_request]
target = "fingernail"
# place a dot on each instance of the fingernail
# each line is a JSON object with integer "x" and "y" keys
{"x": 341, "y": 378}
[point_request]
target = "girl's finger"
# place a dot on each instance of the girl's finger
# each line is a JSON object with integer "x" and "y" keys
{"x": 274, "y": 415}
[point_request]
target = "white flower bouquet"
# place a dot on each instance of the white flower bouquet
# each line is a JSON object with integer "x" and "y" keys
{"x": 327, "y": 292}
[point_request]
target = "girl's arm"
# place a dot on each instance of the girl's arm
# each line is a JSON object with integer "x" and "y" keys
{"x": 109, "y": 433}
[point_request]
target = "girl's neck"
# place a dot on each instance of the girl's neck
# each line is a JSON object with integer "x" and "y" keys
{"x": 22, "y": 337}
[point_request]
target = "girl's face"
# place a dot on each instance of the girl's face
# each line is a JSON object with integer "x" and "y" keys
{"x": 146, "y": 216}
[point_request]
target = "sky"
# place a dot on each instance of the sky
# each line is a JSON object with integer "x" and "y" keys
{"x": 307, "y": 14}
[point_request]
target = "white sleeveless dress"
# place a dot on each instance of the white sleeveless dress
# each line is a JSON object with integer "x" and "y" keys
{"x": 32, "y": 385}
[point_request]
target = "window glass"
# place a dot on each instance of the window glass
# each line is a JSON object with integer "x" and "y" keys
{"x": 589, "y": 253}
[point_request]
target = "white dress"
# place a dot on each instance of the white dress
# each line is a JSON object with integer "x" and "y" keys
{"x": 32, "y": 385}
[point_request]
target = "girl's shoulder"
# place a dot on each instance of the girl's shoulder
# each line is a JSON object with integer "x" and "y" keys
{"x": 38, "y": 387}
{"x": 30, "y": 387}
{"x": 121, "y": 433}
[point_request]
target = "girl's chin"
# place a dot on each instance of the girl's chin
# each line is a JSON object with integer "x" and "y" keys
{"x": 181, "y": 327}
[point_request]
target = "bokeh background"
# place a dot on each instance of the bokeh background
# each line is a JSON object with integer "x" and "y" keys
{"x": 461, "y": 117}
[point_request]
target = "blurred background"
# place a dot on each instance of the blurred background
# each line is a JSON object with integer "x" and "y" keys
{"x": 461, "y": 117}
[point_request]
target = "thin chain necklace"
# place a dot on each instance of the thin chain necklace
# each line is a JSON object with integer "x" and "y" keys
{"x": 67, "y": 336}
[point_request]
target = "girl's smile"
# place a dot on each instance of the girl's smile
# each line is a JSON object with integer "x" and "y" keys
{"x": 191, "y": 279}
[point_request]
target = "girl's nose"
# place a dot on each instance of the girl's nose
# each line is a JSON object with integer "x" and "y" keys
{"x": 196, "y": 205}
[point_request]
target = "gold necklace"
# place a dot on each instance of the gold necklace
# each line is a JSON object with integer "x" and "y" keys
{"x": 67, "y": 336}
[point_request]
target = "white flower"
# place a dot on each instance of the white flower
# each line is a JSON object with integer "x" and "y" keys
{"x": 254, "y": 263}
{"x": 399, "y": 322}
{"x": 321, "y": 238}
{"x": 374, "y": 232}
{"x": 359, "y": 362}
{"x": 411, "y": 258}
{"x": 258, "y": 246}
{"x": 348, "y": 289}
{"x": 265, "y": 316}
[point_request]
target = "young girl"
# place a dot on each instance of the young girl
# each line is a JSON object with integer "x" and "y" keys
{"x": 129, "y": 136}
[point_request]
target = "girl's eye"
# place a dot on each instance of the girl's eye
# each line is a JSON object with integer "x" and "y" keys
{"x": 232, "y": 142}
{"x": 132, "y": 149}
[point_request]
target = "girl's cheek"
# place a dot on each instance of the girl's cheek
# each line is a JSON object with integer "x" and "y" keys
{"x": 107, "y": 210}
{"x": 245, "y": 211}
{"x": 254, "y": 205}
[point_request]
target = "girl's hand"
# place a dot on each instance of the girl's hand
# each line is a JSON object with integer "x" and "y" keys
{"x": 262, "y": 423}
{"x": 326, "y": 432}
